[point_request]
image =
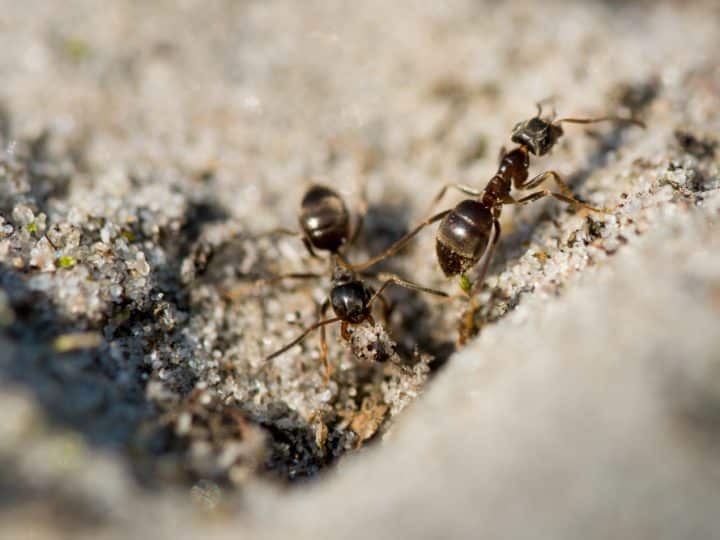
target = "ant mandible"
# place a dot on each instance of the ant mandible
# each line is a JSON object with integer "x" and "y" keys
{"x": 470, "y": 231}
{"x": 325, "y": 224}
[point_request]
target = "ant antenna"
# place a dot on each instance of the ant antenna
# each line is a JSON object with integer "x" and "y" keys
{"x": 619, "y": 119}
{"x": 539, "y": 105}
{"x": 302, "y": 336}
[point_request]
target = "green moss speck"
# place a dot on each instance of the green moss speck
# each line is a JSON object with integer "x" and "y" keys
{"x": 76, "y": 49}
{"x": 128, "y": 235}
{"x": 66, "y": 261}
{"x": 32, "y": 227}
{"x": 465, "y": 283}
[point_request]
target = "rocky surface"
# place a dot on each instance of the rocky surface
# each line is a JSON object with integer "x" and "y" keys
{"x": 150, "y": 149}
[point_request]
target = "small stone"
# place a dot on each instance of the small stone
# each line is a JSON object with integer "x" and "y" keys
{"x": 80, "y": 340}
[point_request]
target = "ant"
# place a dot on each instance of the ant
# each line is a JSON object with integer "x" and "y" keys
{"x": 325, "y": 223}
{"x": 470, "y": 231}
{"x": 351, "y": 301}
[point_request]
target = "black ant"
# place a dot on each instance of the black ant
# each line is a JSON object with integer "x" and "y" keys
{"x": 471, "y": 229}
{"x": 325, "y": 223}
{"x": 351, "y": 301}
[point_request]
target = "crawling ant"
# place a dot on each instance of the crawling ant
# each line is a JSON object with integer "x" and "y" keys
{"x": 351, "y": 301}
{"x": 470, "y": 231}
{"x": 325, "y": 223}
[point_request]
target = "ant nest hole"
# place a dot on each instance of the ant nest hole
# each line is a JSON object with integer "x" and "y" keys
{"x": 227, "y": 415}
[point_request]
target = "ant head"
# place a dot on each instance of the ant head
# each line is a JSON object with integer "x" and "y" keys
{"x": 537, "y": 134}
{"x": 349, "y": 300}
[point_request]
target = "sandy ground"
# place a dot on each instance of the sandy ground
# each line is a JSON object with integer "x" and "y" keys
{"x": 149, "y": 148}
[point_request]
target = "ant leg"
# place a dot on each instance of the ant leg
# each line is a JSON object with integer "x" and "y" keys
{"x": 405, "y": 239}
{"x": 397, "y": 246}
{"x": 308, "y": 245}
{"x": 279, "y": 230}
{"x": 468, "y": 327}
{"x": 301, "y": 337}
{"x": 490, "y": 252}
{"x": 50, "y": 241}
{"x": 390, "y": 279}
{"x": 344, "y": 331}
{"x": 566, "y": 196}
{"x": 239, "y": 291}
{"x": 339, "y": 259}
{"x": 323, "y": 343}
{"x": 547, "y": 193}
{"x": 467, "y": 190}
{"x": 542, "y": 177}
{"x": 289, "y": 232}
{"x": 387, "y": 308}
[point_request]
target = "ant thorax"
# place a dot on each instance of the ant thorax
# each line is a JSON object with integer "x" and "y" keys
{"x": 341, "y": 275}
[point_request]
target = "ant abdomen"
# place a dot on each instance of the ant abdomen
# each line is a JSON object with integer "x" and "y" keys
{"x": 463, "y": 236}
{"x": 324, "y": 218}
